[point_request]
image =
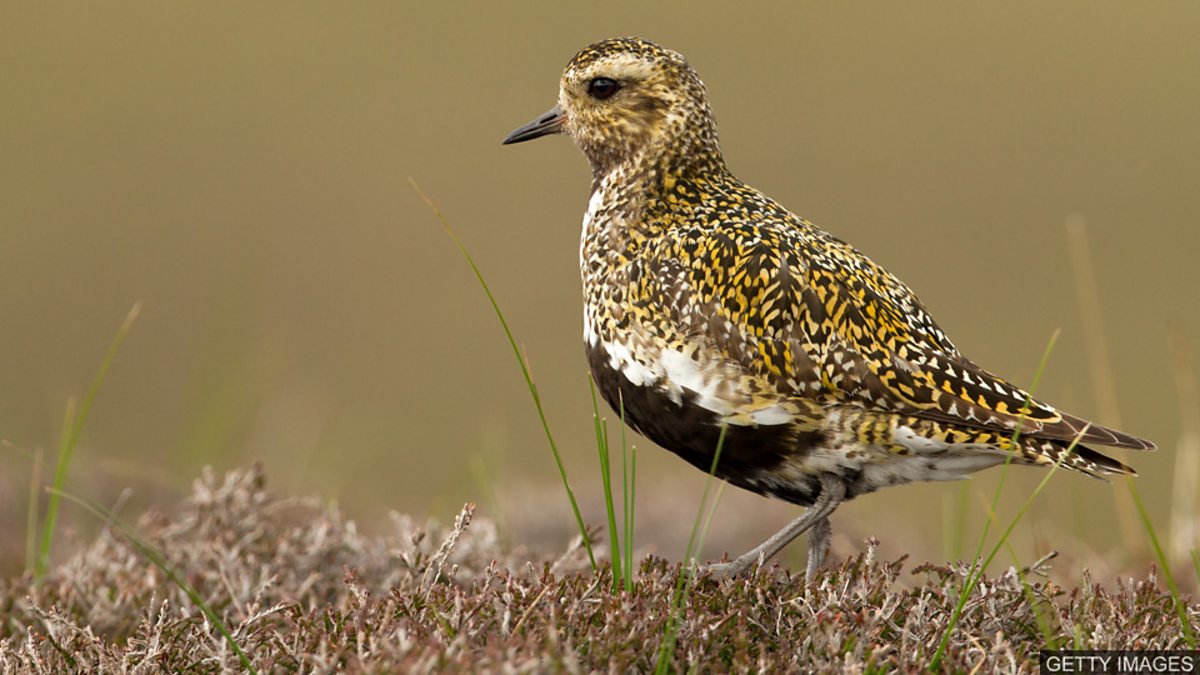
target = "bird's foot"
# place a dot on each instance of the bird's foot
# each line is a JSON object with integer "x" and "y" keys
{"x": 738, "y": 567}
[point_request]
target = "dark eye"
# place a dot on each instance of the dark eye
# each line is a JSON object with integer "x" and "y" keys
{"x": 602, "y": 88}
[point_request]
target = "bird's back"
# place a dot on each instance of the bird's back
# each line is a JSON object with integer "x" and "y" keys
{"x": 709, "y": 304}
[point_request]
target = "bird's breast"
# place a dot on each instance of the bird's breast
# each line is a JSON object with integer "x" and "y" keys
{"x": 683, "y": 404}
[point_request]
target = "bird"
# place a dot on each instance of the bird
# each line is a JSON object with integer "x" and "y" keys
{"x": 723, "y": 326}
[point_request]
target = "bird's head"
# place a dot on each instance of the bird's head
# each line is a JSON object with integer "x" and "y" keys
{"x": 628, "y": 98}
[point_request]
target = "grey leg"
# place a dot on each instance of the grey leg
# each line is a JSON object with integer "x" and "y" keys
{"x": 818, "y": 546}
{"x": 833, "y": 490}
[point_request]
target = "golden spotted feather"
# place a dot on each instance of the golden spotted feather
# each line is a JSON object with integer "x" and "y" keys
{"x": 790, "y": 303}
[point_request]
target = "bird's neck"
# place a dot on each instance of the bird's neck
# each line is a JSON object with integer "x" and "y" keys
{"x": 676, "y": 152}
{"x": 638, "y": 199}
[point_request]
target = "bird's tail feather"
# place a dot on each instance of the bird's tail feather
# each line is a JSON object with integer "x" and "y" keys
{"x": 1081, "y": 458}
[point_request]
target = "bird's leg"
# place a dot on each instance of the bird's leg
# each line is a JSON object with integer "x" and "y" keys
{"x": 833, "y": 490}
{"x": 818, "y": 546}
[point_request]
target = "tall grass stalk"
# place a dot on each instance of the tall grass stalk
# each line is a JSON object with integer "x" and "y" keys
{"x": 1185, "y": 492}
{"x": 31, "y": 516}
{"x": 1181, "y": 606}
{"x": 1043, "y": 622}
{"x": 1096, "y": 347}
{"x": 977, "y": 569}
{"x": 1106, "y": 398}
{"x": 614, "y": 535}
{"x": 533, "y": 392}
{"x": 37, "y": 461}
{"x": 687, "y": 571}
{"x": 629, "y": 476}
{"x": 159, "y": 560}
{"x": 712, "y": 511}
{"x": 73, "y": 425}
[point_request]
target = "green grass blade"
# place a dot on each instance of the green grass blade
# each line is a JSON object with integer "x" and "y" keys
{"x": 1032, "y": 497}
{"x": 1016, "y": 437}
{"x": 72, "y": 428}
{"x": 37, "y": 465}
{"x": 712, "y": 511}
{"x": 632, "y": 513}
{"x": 533, "y": 393}
{"x": 1043, "y": 622}
{"x": 687, "y": 575}
{"x": 627, "y": 492}
{"x": 1196, "y": 563}
{"x": 977, "y": 572}
{"x": 614, "y": 540}
{"x": 31, "y": 520}
{"x": 159, "y": 560}
{"x": 712, "y": 474}
{"x": 977, "y": 569}
{"x": 1181, "y": 607}
{"x": 42, "y": 558}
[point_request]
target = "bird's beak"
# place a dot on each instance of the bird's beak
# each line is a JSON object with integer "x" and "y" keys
{"x": 550, "y": 122}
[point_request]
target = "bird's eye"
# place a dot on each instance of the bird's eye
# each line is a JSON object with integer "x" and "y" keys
{"x": 602, "y": 88}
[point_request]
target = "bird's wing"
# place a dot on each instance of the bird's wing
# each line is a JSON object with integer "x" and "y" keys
{"x": 820, "y": 320}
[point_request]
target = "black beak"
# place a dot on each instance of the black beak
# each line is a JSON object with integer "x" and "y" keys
{"x": 550, "y": 122}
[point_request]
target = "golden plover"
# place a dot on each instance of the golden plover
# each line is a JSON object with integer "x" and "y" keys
{"x": 709, "y": 306}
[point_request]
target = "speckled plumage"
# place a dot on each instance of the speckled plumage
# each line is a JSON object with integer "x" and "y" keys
{"x": 707, "y": 304}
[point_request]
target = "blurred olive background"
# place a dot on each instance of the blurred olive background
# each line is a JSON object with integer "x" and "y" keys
{"x": 242, "y": 169}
